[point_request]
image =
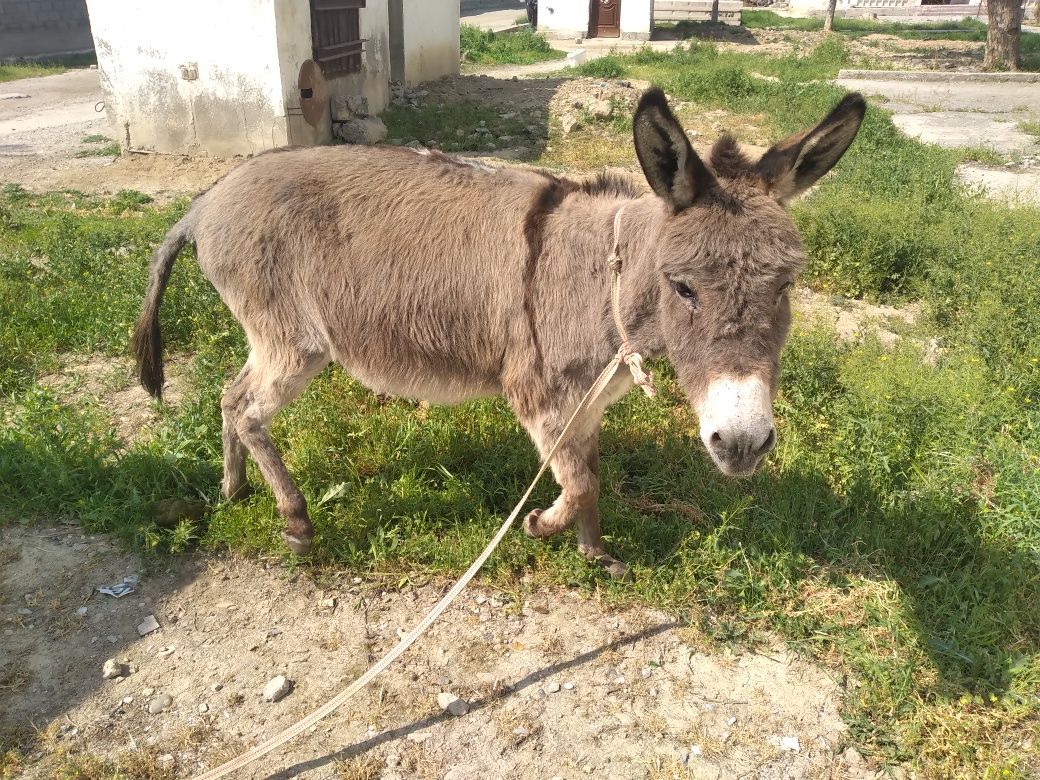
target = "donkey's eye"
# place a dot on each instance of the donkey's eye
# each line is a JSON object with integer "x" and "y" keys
{"x": 683, "y": 291}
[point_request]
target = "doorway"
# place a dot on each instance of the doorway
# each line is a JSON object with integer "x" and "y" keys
{"x": 605, "y": 19}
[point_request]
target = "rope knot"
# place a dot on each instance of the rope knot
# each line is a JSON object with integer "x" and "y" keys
{"x": 642, "y": 377}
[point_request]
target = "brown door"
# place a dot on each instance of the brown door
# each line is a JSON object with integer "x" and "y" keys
{"x": 605, "y": 19}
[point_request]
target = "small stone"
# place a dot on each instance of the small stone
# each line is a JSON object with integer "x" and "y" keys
{"x": 112, "y": 669}
{"x": 160, "y": 703}
{"x": 147, "y": 691}
{"x": 553, "y": 687}
{"x": 203, "y": 708}
{"x": 164, "y": 652}
{"x": 790, "y": 743}
{"x": 731, "y": 721}
{"x": 367, "y": 131}
{"x": 481, "y": 600}
{"x": 392, "y": 759}
{"x": 128, "y": 700}
{"x": 569, "y": 123}
{"x": 165, "y": 758}
{"x": 853, "y": 757}
{"x": 601, "y": 109}
{"x": 148, "y": 625}
{"x": 696, "y": 750}
{"x": 215, "y": 687}
{"x": 277, "y": 689}
{"x": 569, "y": 686}
{"x": 652, "y": 691}
{"x": 329, "y": 602}
{"x": 418, "y": 737}
{"x": 645, "y": 672}
{"x": 112, "y": 639}
{"x": 452, "y": 704}
{"x": 626, "y": 719}
{"x": 81, "y": 611}
{"x": 443, "y": 680}
{"x": 356, "y": 580}
{"x": 496, "y": 603}
{"x": 24, "y": 611}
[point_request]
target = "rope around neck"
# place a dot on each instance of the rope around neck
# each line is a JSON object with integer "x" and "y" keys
{"x": 626, "y": 355}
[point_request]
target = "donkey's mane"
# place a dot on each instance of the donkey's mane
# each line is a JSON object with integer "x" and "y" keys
{"x": 610, "y": 183}
{"x": 728, "y": 161}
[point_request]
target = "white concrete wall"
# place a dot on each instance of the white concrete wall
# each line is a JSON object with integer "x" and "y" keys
{"x": 564, "y": 18}
{"x": 430, "y": 39}
{"x": 248, "y": 55}
{"x": 235, "y": 105}
{"x": 637, "y": 19}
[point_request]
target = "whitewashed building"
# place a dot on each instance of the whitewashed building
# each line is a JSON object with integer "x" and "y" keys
{"x": 629, "y": 19}
{"x": 236, "y": 77}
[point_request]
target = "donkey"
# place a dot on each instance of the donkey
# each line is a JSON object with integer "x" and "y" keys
{"x": 439, "y": 278}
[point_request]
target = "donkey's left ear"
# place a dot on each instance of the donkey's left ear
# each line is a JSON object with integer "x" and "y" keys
{"x": 795, "y": 163}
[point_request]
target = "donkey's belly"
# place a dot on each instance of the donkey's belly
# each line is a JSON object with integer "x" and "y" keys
{"x": 421, "y": 382}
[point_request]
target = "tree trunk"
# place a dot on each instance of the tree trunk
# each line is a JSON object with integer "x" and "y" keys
{"x": 828, "y": 20}
{"x": 1005, "y": 31}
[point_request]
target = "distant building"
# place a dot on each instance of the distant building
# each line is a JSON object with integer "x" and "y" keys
{"x": 38, "y": 29}
{"x": 235, "y": 77}
{"x": 631, "y": 19}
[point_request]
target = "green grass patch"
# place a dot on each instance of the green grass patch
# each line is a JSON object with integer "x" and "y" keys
{"x": 892, "y": 535}
{"x": 28, "y": 70}
{"x": 1032, "y": 127}
{"x": 953, "y": 29}
{"x": 95, "y": 138}
{"x": 461, "y": 127}
{"x": 108, "y": 150}
{"x": 522, "y": 47}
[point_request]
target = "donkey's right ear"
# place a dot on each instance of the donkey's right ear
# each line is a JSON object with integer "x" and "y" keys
{"x": 670, "y": 164}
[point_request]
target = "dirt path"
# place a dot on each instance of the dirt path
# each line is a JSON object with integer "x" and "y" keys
{"x": 556, "y": 683}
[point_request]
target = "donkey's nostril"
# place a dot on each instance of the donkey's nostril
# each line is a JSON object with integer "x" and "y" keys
{"x": 716, "y": 439}
{"x": 768, "y": 444}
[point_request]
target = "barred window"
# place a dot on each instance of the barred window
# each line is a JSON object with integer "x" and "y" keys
{"x": 336, "y": 35}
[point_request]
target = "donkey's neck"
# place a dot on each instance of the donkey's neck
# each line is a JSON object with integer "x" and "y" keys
{"x": 637, "y": 229}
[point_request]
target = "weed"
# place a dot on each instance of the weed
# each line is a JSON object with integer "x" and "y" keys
{"x": 522, "y": 47}
{"x": 108, "y": 150}
{"x": 13, "y": 71}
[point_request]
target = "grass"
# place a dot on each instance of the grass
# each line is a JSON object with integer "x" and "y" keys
{"x": 950, "y": 30}
{"x": 1032, "y": 127}
{"x": 27, "y": 70}
{"x": 893, "y": 535}
{"x": 102, "y": 146}
{"x": 463, "y": 127}
{"x": 523, "y": 47}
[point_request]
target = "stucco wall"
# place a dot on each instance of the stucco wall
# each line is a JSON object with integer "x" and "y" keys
{"x": 430, "y": 30}
{"x": 637, "y": 19}
{"x": 247, "y": 55}
{"x": 564, "y": 18}
{"x": 42, "y": 28}
{"x": 235, "y": 104}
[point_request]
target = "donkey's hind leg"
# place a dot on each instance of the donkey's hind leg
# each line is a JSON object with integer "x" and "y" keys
{"x": 234, "y": 486}
{"x": 264, "y": 387}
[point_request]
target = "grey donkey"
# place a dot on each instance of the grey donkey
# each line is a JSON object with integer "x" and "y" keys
{"x": 440, "y": 278}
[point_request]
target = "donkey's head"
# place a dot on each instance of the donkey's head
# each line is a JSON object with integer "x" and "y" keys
{"x": 725, "y": 256}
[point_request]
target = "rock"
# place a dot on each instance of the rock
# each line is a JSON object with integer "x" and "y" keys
{"x": 568, "y": 686}
{"x": 626, "y": 719}
{"x": 367, "y": 130}
{"x": 147, "y": 691}
{"x": 277, "y": 689}
{"x": 160, "y": 703}
{"x": 645, "y": 672}
{"x": 165, "y": 758}
{"x": 553, "y": 687}
{"x": 418, "y": 737}
{"x": 790, "y": 744}
{"x": 853, "y": 757}
{"x": 349, "y": 107}
{"x": 128, "y": 700}
{"x": 148, "y": 625}
{"x": 203, "y": 708}
{"x": 215, "y": 687}
{"x": 24, "y": 611}
{"x": 82, "y": 611}
{"x": 569, "y": 123}
{"x": 168, "y": 512}
{"x": 696, "y": 750}
{"x": 452, "y": 704}
{"x": 164, "y": 652}
{"x": 112, "y": 669}
{"x": 601, "y": 109}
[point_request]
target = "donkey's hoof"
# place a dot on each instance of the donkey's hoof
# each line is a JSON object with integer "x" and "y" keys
{"x": 241, "y": 493}
{"x": 301, "y": 545}
{"x": 618, "y": 570}
{"x": 531, "y": 526}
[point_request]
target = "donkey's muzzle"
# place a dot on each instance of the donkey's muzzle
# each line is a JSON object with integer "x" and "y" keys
{"x": 737, "y": 424}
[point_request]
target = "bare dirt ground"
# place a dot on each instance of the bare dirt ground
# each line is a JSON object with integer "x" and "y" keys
{"x": 556, "y": 683}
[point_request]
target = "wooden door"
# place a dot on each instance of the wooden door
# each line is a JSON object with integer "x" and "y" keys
{"x": 605, "y": 19}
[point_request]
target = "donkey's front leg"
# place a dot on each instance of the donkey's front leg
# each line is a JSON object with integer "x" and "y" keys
{"x": 576, "y": 468}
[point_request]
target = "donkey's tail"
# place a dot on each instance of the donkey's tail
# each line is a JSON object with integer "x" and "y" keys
{"x": 147, "y": 341}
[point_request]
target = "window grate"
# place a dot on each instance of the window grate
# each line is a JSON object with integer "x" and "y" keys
{"x": 336, "y": 35}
